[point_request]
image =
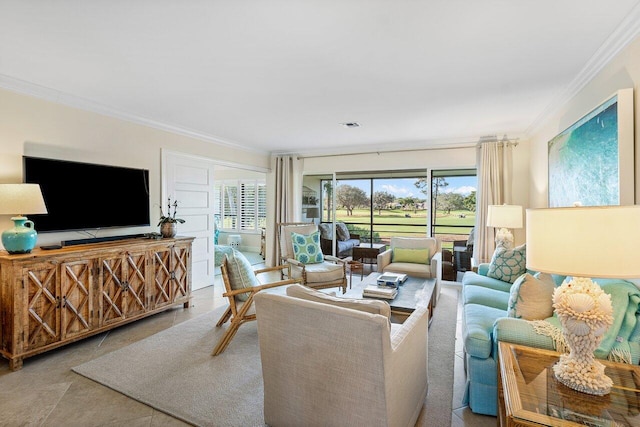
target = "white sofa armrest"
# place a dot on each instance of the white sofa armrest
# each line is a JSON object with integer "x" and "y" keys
{"x": 384, "y": 259}
{"x": 409, "y": 376}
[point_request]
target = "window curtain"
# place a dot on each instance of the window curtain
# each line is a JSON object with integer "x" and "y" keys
{"x": 288, "y": 195}
{"x": 494, "y": 188}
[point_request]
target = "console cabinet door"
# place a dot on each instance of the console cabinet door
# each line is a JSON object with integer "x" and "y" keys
{"x": 135, "y": 283}
{"x": 123, "y": 286}
{"x": 180, "y": 261}
{"x": 171, "y": 280}
{"x": 111, "y": 289}
{"x": 76, "y": 305}
{"x": 41, "y": 322}
{"x": 162, "y": 283}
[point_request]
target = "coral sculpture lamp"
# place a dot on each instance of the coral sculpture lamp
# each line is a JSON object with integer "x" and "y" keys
{"x": 504, "y": 217}
{"x": 20, "y": 199}
{"x": 585, "y": 243}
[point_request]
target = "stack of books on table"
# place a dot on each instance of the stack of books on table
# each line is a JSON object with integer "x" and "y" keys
{"x": 391, "y": 279}
{"x": 375, "y": 291}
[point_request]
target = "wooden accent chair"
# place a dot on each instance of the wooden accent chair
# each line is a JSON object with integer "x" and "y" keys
{"x": 330, "y": 273}
{"x": 240, "y": 290}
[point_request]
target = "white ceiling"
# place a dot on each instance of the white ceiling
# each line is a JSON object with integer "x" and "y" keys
{"x": 281, "y": 75}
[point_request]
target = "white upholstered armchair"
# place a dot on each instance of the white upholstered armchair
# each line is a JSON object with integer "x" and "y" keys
{"x": 414, "y": 256}
{"x": 331, "y": 361}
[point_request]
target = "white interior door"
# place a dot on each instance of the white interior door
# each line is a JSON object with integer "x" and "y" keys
{"x": 189, "y": 180}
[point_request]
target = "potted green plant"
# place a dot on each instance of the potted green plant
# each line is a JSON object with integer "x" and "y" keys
{"x": 168, "y": 222}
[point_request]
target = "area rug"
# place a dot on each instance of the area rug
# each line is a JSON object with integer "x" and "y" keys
{"x": 442, "y": 356}
{"x": 173, "y": 371}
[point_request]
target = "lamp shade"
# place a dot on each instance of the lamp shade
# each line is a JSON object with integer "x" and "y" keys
{"x": 504, "y": 216}
{"x": 21, "y": 199}
{"x": 313, "y": 212}
{"x": 596, "y": 241}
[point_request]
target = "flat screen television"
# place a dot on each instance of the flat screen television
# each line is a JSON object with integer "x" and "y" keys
{"x": 86, "y": 196}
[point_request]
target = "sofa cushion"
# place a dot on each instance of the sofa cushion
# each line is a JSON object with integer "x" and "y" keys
{"x": 478, "y": 321}
{"x": 410, "y": 269}
{"x": 320, "y": 272}
{"x": 306, "y": 247}
{"x": 472, "y": 278}
{"x": 508, "y": 264}
{"x": 485, "y": 296}
{"x": 531, "y": 297}
{"x": 347, "y": 245}
{"x": 342, "y": 232}
{"x": 367, "y": 305}
{"x": 416, "y": 256}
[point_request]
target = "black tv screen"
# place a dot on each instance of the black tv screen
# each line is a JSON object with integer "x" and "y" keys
{"x": 84, "y": 196}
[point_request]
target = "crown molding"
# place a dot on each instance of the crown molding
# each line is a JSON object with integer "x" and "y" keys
{"x": 391, "y": 147}
{"x": 626, "y": 32}
{"x": 58, "y": 97}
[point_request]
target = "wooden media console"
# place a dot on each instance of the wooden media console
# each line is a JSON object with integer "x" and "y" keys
{"x": 49, "y": 298}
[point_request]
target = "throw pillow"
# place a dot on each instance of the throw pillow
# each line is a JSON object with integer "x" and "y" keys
{"x": 306, "y": 247}
{"x": 325, "y": 231}
{"x": 342, "y": 231}
{"x": 531, "y": 297}
{"x": 240, "y": 273}
{"x": 414, "y": 256}
{"x": 508, "y": 264}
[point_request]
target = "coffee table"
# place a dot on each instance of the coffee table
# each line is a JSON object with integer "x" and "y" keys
{"x": 413, "y": 291}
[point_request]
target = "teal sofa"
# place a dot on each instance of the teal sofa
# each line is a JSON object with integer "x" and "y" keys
{"x": 485, "y": 323}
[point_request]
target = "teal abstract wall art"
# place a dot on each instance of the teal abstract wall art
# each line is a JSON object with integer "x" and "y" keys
{"x": 591, "y": 162}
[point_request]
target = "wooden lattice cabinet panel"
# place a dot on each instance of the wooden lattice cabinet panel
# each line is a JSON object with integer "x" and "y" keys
{"x": 76, "y": 298}
{"x": 42, "y": 298}
{"x": 53, "y": 297}
{"x": 123, "y": 286}
{"x": 172, "y": 275}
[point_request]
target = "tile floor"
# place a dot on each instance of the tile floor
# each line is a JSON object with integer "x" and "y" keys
{"x": 47, "y": 393}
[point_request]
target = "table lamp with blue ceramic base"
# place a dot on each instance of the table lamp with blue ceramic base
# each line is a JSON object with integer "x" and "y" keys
{"x": 22, "y": 199}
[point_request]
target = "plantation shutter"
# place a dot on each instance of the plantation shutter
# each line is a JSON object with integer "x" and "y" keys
{"x": 248, "y": 205}
{"x": 241, "y": 205}
{"x": 262, "y": 205}
{"x": 230, "y": 212}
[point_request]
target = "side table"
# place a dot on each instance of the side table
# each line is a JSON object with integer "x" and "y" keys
{"x": 355, "y": 266}
{"x": 368, "y": 252}
{"x": 530, "y": 395}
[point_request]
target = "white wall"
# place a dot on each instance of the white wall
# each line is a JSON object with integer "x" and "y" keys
{"x": 31, "y": 126}
{"x": 622, "y": 72}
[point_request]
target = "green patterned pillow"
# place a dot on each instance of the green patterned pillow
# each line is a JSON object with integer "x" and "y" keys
{"x": 508, "y": 264}
{"x": 306, "y": 248}
{"x": 240, "y": 273}
{"x": 531, "y": 297}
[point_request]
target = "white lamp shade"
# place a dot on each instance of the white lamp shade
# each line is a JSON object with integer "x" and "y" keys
{"x": 504, "y": 216}
{"x": 599, "y": 241}
{"x": 21, "y": 199}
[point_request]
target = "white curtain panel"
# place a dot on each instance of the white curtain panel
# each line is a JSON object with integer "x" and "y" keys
{"x": 494, "y": 188}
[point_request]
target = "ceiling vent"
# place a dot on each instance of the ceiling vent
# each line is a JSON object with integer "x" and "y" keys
{"x": 351, "y": 124}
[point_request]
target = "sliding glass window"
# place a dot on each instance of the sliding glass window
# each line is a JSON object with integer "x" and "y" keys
{"x": 453, "y": 205}
{"x": 378, "y": 205}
